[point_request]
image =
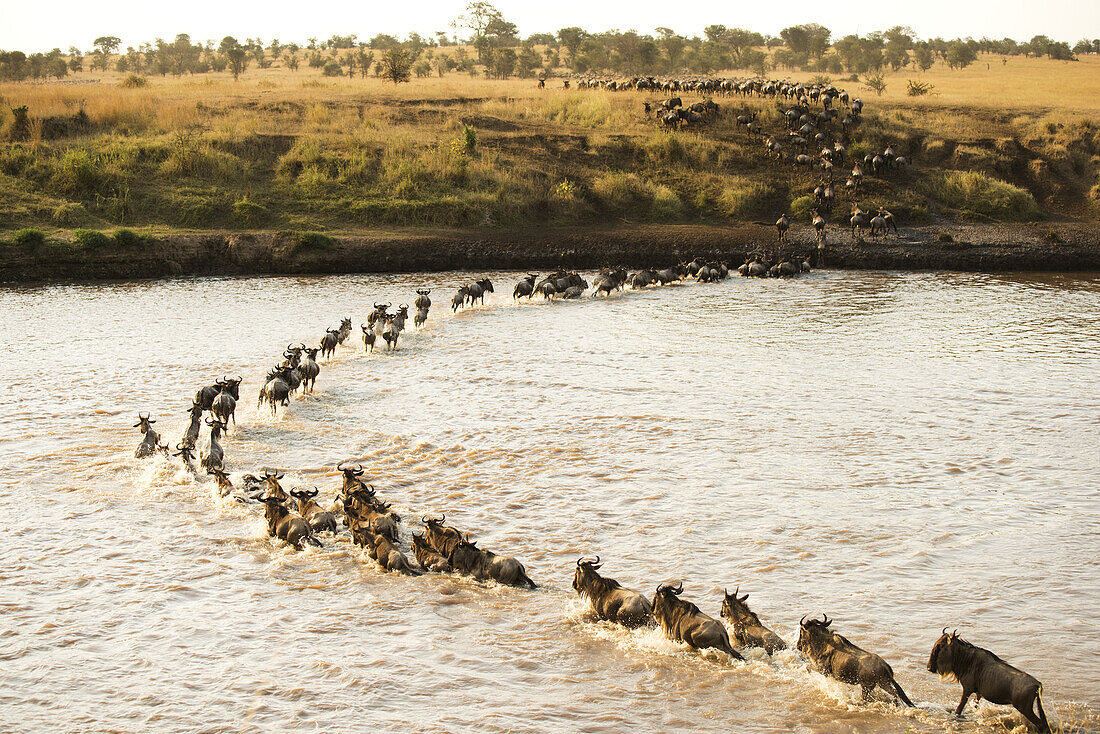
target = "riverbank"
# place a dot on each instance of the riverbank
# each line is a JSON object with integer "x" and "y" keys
{"x": 1067, "y": 247}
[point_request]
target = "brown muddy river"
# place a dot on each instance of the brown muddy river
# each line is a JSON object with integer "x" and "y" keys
{"x": 899, "y": 451}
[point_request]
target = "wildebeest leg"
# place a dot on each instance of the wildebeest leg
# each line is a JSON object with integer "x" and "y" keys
{"x": 962, "y": 703}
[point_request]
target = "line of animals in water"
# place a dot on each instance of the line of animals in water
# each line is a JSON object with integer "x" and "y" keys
{"x": 296, "y": 516}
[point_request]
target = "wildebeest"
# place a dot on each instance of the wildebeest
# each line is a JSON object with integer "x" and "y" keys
{"x": 747, "y": 627}
{"x": 476, "y": 291}
{"x": 525, "y": 287}
{"x": 422, "y": 303}
{"x": 608, "y": 598}
{"x": 442, "y": 538}
{"x": 427, "y": 557}
{"x": 364, "y": 511}
{"x": 205, "y": 396}
{"x": 282, "y": 524}
{"x": 213, "y": 456}
{"x": 225, "y": 406}
{"x": 309, "y": 369}
{"x": 368, "y": 338}
{"x": 382, "y": 550}
{"x": 271, "y": 485}
{"x": 683, "y": 622}
{"x": 888, "y": 219}
{"x": 468, "y": 559}
{"x": 668, "y": 275}
{"x": 150, "y": 439}
{"x": 983, "y": 674}
{"x": 276, "y": 390}
{"x": 838, "y": 657}
{"x": 608, "y": 280}
{"x": 187, "y": 456}
{"x": 459, "y": 299}
{"x": 782, "y": 225}
{"x": 318, "y": 517}
{"x": 391, "y": 332}
{"x": 329, "y": 342}
{"x": 224, "y": 485}
{"x": 858, "y": 222}
{"x": 191, "y": 434}
{"x": 344, "y": 331}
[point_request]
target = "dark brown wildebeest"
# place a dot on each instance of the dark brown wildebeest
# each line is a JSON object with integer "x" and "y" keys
{"x": 318, "y": 517}
{"x": 282, "y": 524}
{"x": 682, "y": 621}
{"x": 838, "y": 657}
{"x": 150, "y": 439}
{"x": 468, "y": 559}
{"x": 609, "y": 599}
{"x": 441, "y": 538}
{"x": 427, "y": 557}
{"x": 747, "y": 628}
{"x": 388, "y": 556}
{"x": 983, "y": 674}
{"x": 272, "y": 487}
{"x": 362, "y": 510}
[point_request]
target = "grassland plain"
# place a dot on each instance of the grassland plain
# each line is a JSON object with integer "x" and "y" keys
{"x": 279, "y": 153}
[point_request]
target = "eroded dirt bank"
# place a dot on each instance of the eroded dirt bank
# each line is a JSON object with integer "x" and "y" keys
{"x": 1068, "y": 247}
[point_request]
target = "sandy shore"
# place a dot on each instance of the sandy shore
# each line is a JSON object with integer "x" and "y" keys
{"x": 1066, "y": 247}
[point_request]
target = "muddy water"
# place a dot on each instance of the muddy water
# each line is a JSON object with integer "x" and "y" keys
{"x": 900, "y": 451}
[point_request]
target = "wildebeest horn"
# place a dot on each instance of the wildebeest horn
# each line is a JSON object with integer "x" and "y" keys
{"x": 825, "y": 621}
{"x": 424, "y": 519}
{"x": 340, "y": 466}
{"x": 944, "y": 630}
{"x": 955, "y": 633}
{"x": 802, "y": 622}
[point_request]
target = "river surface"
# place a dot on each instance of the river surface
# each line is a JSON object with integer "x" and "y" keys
{"x": 899, "y": 451}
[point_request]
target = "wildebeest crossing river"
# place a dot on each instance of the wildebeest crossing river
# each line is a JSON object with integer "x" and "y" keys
{"x": 899, "y": 451}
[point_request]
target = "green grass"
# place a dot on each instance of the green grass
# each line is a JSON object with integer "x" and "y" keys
{"x": 974, "y": 192}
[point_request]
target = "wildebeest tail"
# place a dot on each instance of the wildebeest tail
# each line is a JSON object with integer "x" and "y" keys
{"x": 902, "y": 696}
{"x": 1039, "y": 707}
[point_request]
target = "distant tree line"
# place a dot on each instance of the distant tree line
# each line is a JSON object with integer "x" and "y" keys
{"x": 499, "y": 52}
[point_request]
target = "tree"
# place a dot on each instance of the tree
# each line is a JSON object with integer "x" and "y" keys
{"x": 235, "y": 54}
{"x": 673, "y": 45}
{"x": 396, "y": 65}
{"x": 107, "y": 45}
{"x": 925, "y": 58}
{"x": 876, "y": 82}
{"x": 810, "y": 38}
{"x": 384, "y": 42}
{"x": 527, "y": 61}
{"x": 503, "y": 63}
{"x": 479, "y": 14}
{"x": 292, "y": 61}
{"x": 572, "y": 38}
{"x": 714, "y": 33}
{"x": 960, "y": 55}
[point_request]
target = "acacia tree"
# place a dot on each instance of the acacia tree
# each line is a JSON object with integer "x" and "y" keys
{"x": 396, "y": 65}
{"x": 236, "y": 55}
{"x": 572, "y": 38}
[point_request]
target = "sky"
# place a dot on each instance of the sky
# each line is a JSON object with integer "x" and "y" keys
{"x": 64, "y": 23}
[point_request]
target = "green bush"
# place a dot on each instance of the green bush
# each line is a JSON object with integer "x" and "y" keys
{"x": 621, "y": 193}
{"x": 79, "y": 173}
{"x": 747, "y": 199}
{"x": 975, "y": 192}
{"x": 311, "y": 241}
{"x": 332, "y": 68}
{"x": 134, "y": 82}
{"x": 249, "y": 213}
{"x": 800, "y": 208}
{"x": 91, "y": 239}
{"x": 28, "y": 238}
{"x": 129, "y": 239}
{"x": 666, "y": 205}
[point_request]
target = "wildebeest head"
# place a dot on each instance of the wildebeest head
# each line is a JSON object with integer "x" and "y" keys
{"x": 217, "y": 427}
{"x": 813, "y": 633}
{"x": 585, "y": 573}
{"x": 144, "y": 422}
{"x": 667, "y": 593}
{"x": 274, "y": 489}
{"x": 185, "y": 452}
{"x": 942, "y": 660}
{"x": 735, "y": 609}
{"x": 195, "y": 411}
{"x": 486, "y": 284}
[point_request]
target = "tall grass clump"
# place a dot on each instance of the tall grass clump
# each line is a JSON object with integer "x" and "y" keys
{"x": 28, "y": 239}
{"x": 745, "y": 199}
{"x": 970, "y": 191}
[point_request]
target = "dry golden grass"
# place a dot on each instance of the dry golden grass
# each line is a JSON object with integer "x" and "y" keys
{"x": 319, "y": 152}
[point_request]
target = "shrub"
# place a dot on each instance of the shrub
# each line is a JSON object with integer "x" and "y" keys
{"x": 129, "y": 239}
{"x": 621, "y": 192}
{"x": 800, "y": 208}
{"x": 79, "y": 173}
{"x": 981, "y": 194}
{"x": 249, "y": 213}
{"x": 28, "y": 238}
{"x": 312, "y": 241}
{"x": 918, "y": 88}
{"x": 666, "y": 204}
{"x": 134, "y": 82}
{"x": 747, "y": 199}
{"x": 91, "y": 239}
{"x": 332, "y": 68}
{"x": 69, "y": 213}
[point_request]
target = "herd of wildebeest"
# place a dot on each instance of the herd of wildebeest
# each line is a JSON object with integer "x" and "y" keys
{"x": 818, "y": 122}
{"x": 297, "y": 517}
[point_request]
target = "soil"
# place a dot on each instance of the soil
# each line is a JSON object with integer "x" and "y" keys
{"x": 1064, "y": 247}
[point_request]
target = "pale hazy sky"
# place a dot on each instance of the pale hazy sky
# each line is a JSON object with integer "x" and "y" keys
{"x": 32, "y": 27}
